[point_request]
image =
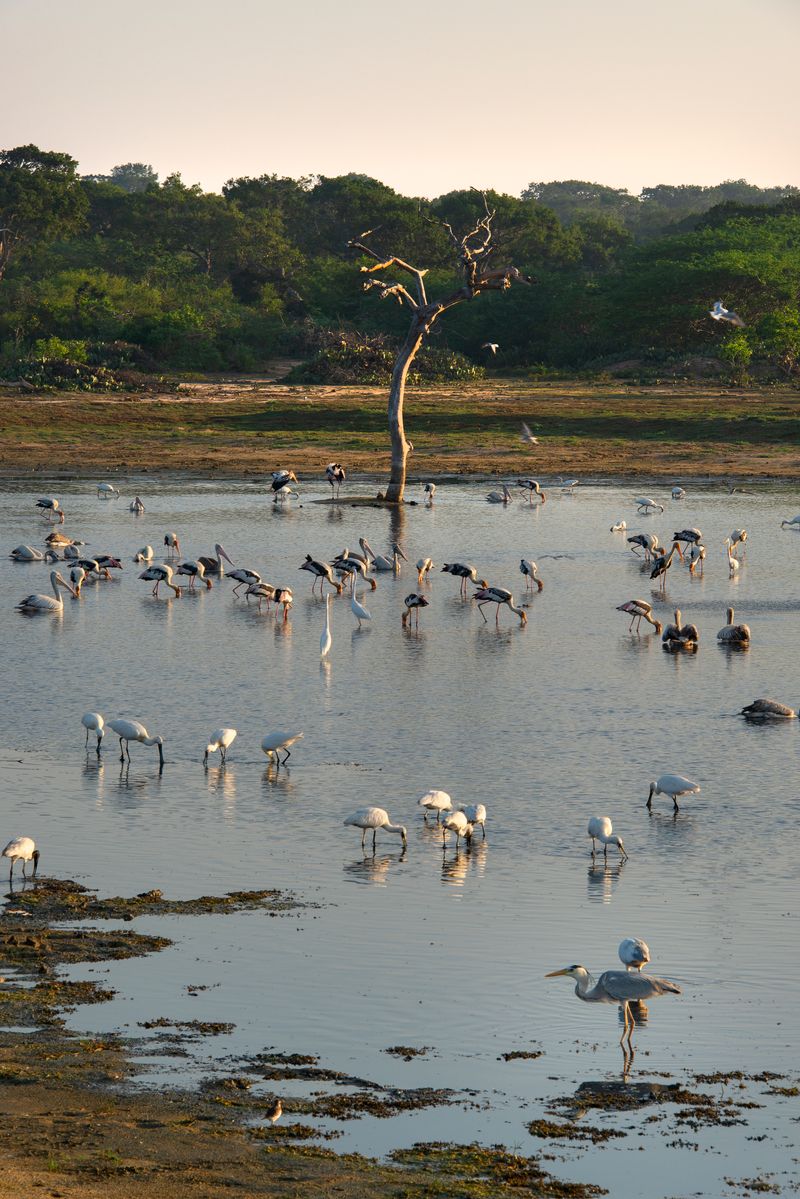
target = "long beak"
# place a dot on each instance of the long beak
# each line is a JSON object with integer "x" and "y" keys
{"x": 556, "y": 973}
{"x": 400, "y": 552}
{"x": 161, "y": 755}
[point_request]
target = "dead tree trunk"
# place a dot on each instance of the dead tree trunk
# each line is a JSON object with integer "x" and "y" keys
{"x": 473, "y": 252}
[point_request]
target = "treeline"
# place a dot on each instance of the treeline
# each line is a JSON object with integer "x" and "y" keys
{"x": 103, "y": 278}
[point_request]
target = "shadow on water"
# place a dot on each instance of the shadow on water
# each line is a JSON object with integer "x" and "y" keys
{"x": 372, "y": 869}
{"x": 602, "y": 878}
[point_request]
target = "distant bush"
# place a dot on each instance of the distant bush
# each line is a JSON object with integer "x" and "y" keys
{"x": 346, "y": 358}
{"x": 65, "y": 374}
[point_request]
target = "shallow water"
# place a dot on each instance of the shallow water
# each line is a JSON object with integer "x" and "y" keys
{"x": 546, "y": 725}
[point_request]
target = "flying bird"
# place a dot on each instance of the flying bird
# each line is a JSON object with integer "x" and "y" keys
{"x": 720, "y": 313}
{"x": 493, "y": 346}
{"x": 526, "y": 436}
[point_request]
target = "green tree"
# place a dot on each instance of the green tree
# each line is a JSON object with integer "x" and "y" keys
{"x": 40, "y": 199}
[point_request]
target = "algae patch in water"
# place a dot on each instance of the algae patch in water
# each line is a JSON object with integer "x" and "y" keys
{"x": 488, "y": 1170}
{"x": 62, "y": 899}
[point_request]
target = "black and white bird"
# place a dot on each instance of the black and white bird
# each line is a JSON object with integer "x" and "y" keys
{"x": 680, "y": 636}
{"x": 336, "y": 475}
{"x": 51, "y": 508}
{"x": 244, "y": 578}
{"x": 644, "y": 541}
{"x": 173, "y": 545}
{"x": 413, "y": 603}
{"x": 194, "y": 571}
{"x": 281, "y": 489}
{"x": 322, "y": 572}
{"x": 530, "y": 570}
{"x": 430, "y": 491}
{"x": 465, "y": 572}
{"x": 160, "y": 573}
{"x": 661, "y": 565}
{"x": 532, "y": 487}
{"x": 639, "y": 610}
{"x": 687, "y": 537}
{"x": 720, "y": 313}
{"x": 498, "y": 596}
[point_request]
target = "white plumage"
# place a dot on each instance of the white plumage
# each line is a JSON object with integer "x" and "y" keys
{"x": 22, "y": 849}
{"x": 600, "y": 829}
{"x": 435, "y": 801}
{"x": 132, "y": 730}
{"x": 93, "y": 722}
{"x": 47, "y": 603}
{"x": 634, "y": 953}
{"x": 274, "y": 742}
{"x": 222, "y": 740}
{"x": 475, "y": 814}
{"x": 674, "y": 785}
{"x": 373, "y": 819}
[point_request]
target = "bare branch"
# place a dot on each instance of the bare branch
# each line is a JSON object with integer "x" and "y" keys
{"x": 390, "y": 289}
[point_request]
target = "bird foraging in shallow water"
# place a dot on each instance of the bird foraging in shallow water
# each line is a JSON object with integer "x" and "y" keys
{"x": 634, "y": 953}
{"x": 456, "y": 822}
{"x": 673, "y": 785}
{"x": 647, "y": 504}
{"x": 372, "y": 819}
{"x": 273, "y": 743}
{"x": 435, "y": 801}
{"x": 475, "y": 814}
{"x": 600, "y": 829}
{"x": 22, "y": 849}
{"x": 274, "y": 1112}
{"x": 430, "y": 492}
{"x": 359, "y": 611}
{"x": 222, "y": 740}
{"x": 768, "y": 709}
{"x": 335, "y": 474}
{"x": 530, "y": 570}
{"x": 639, "y": 610}
{"x": 499, "y": 596}
{"x": 132, "y": 730}
{"x": 424, "y": 568}
{"x": 464, "y": 571}
{"x": 413, "y": 603}
{"x": 160, "y": 573}
{"x": 623, "y": 987}
{"x": 47, "y": 603}
{"x": 326, "y": 640}
{"x": 93, "y": 722}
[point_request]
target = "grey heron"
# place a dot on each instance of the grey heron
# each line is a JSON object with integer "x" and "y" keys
{"x": 618, "y": 986}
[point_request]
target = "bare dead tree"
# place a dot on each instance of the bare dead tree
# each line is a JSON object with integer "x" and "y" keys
{"x": 473, "y": 254}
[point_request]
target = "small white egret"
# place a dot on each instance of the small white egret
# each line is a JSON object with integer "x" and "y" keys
{"x": 274, "y": 742}
{"x": 674, "y": 785}
{"x": 373, "y": 819}
{"x": 359, "y": 611}
{"x": 720, "y": 313}
{"x": 646, "y": 504}
{"x": 326, "y": 640}
{"x": 222, "y": 740}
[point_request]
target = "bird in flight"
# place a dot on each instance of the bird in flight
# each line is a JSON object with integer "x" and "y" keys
{"x": 720, "y": 313}
{"x": 527, "y": 436}
{"x": 491, "y": 345}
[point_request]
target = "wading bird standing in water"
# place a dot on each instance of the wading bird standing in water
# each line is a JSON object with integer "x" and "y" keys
{"x": 22, "y": 849}
{"x": 499, "y": 596}
{"x": 622, "y": 987}
{"x": 673, "y": 785}
{"x": 335, "y": 474}
{"x": 222, "y": 740}
{"x": 132, "y": 730}
{"x": 373, "y": 819}
{"x": 93, "y": 722}
{"x": 160, "y": 573}
{"x": 51, "y": 508}
{"x": 600, "y": 829}
{"x": 639, "y": 610}
{"x": 413, "y": 603}
{"x": 326, "y": 640}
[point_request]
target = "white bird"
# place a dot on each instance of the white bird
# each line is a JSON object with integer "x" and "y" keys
{"x": 530, "y": 570}
{"x": 375, "y": 818}
{"x": 738, "y": 538}
{"x": 326, "y": 640}
{"x": 499, "y": 596}
{"x": 93, "y": 723}
{"x": 639, "y": 610}
{"x": 335, "y": 474}
{"x": 794, "y": 522}
{"x": 768, "y": 709}
{"x": 413, "y": 603}
{"x": 634, "y": 953}
{"x": 173, "y": 544}
{"x": 695, "y": 555}
{"x": 213, "y": 565}
{"x": 220, "y": 739}
{"x": 160, "y": 573}
{"x": 60, "y": 539}
{"x": 435, "y": 801}
{"x": 674, "y": 785}
{"x": 77, "y": 577}
{"x": 527, "y": 436}
{"x": 47, "y": 603}
{"x": 50, "y": 507}
{"x": 620, "y": 527}
{"x": 381, "y": 562}
{"x": 274, "y": 742}
{"x": 29, "y": 553}
{"x": 499, "y": 497}
{"x": 678, "y": 493}
{"x": 424, "y": 568}
{"x": 430, "y": 492}
{"x": 494, "y": 346}
{"x": 475, "y": 814}
{"x": 733, "y": 563}
{"x": 107, "y": 490}
{"x": 132, "y": 730}
{"x": 533, "y": 487}
{"x": 456, "y": 822}
{"x": 359, "y": 611}
{"x": 195, "y": 571}
{"x": 567, "y": 484}
{"x": 647, "y": 541}
{"x": 136, "y": 505}
{"x": 720, "y": 313}
{"x": 734, "y": 634}
{"x": 647, "y": 504}
{"x": 22, "y": 849}
{"x": 145, "y": 554}
{"x": 622, "y": 987}
{"x": 600, "y": 829}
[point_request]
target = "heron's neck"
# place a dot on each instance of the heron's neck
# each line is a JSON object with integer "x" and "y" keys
{"x": 584, "y": 983}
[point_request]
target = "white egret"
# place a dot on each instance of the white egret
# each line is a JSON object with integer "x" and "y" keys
{"x": 526, "y": 436}
{"x": 47, "y": 603}
{"x": 222, "y": 740}
{"x": 634, "y": 953}
{"x": 639, "y": 610}
{"x": 274, "y": 742}
{"x": 600, "y": 829}
{"x": 373, "y": 819}
{"x": 160, "y": 573}
{"x": 720, "y": 313}
{"x": 456, "y": 822}
{"x": 22, "y": 849}
{"x": 499, "y": 596}
{"x": 530, "y": 570}
{"x": 93, "y": 722}
{"x": 567, "y": 485}
{"x": 435, "y": 801}
{"x": 335, "y": 474}
{"x": 359, "y": 611}
{"x": 464, "y": 571}
{"x": 733, "y": 563}
{"x": 132, "y": 730}
{"x": 424, "y": 568}
{"x": 413, "y": 603}
{"x": 475, "y": 814}
{"x": 622, "y": 987}
{"x": 674, "y": 785}
{"x": 107, "y": 491}
{"x": 326, "y": 640}
{"x": 768, "y": 709}
{"x": 647, "y": 504}
{"x": 734, "y": 634}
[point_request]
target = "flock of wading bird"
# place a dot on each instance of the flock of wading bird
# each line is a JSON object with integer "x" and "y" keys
{"x": 627, "y": 987}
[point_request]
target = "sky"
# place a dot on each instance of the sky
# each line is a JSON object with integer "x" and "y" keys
{"x": 425, "y": 95}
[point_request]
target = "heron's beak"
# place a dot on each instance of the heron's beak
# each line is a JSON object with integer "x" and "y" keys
{"x": 556, "y": 973}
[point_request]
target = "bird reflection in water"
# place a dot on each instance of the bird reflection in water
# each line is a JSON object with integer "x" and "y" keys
{"x": 277, "y": 782}
{"x": 467, "y": 856}
{"x": 221, "y": 781}
{"x": 140, "y": 783}
{"x": 601, "y": 879}
{"x": 372, "y": 868}
{"x": 93, "y": 768}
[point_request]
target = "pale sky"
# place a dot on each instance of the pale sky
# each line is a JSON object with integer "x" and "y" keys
{"x": 426, "y": 95}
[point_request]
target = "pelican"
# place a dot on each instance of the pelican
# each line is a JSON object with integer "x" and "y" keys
{"x": 213, "y": 565}
{"x": 77, "y": 576}
{"x": 430, "y": 492}
{"x": 499, "y": 497}
{"x": 274, "y": 742}
{"x": 222, "y": 740}
{"x": 498, "y": 595}
{"x": 435, "y": 801}
{"x": 107, "y": 491}
{"x": 374, "y": 818}
{"x": 662, "y": 564}
{"x": 47, "y": 603}
{"x": 526, "y": 436}
{"x": 413, "y": 603}
{"x": 326, "y": 640}
{"x": 634, "y": 953}
{"x": 50, "y": 507}
{"x": 677, "y": 494}
{"x": 464, "y": 571}
{"x": 647, "y": 504}
{"x": 93, "y": 723}
{"x": 393, "y": 564}
{"x": 244, "y": 578}
{"x": 475, "y": 814}
{"x": 646, "y": 541}
{"x": 680, "y": 636}
{"x": 696, "y": 554}
{"x": 132, "y": 730}
{"x": 359, "y": 611}
{"x": 424, "y": 568}
{"x": 673, "y": 785}
{"x": 600, "y": 829}
{"x": 27, "y": 553}
{"x": 639, "y": 610}
{"x": 533, "y": 488}
{"x": 529, "y": 570}
{"x": 136, "y": 505}
{"x": 70, "y": 552}
{"x": 720, "y": 313}
{"x": 738, "y": 538}
{"x": 793, "y": 523}
{"x": 768, "y": 709}
{"x": 622, "y": 987}
{"x": 172, "y": 544}
{"x": 195, "y": 571}
{"x": 456, "y": 822}
{"x": 687, "y": 537}
{"x": 145, "y": 554}
{"x": 22, "y": 849}
{"x": 322, "y": 573}
{"x": 620, "y": 527}
{"x": 734, "y": 634}
{"x": 733, "y": 563}
{"x": 335, "y": 474}
{"x": 158, "y": 574}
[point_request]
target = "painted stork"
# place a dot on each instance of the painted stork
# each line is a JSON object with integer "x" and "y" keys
{"x": 639, "y": 610}
{"x": 662, "y": 564}
{"x": 687, "y": 537}
{"x": 413, "y": 603}
{"x": 532, "y": 487}
{"x": 51, "y": 508}
{"x": 335, "y": 474}
{"x": 530, "y": 570}
{"x": 738, "y": 538}
{"x": 145, "y": 554}
{"x": 647, "y": 541}
{"x": 322, "y": 572}
{"x": 160, "y": 573}
{"x": 172, "y": 544}
{"x": 696, "y": 556}
{"x": 465, "y": 572}
{"x": 499, "y": 596}
{"x": 281, "y": 489}
{"x": 194, "y": 571}
{"x": 244, "y": 578}
{"x": 424, "y": 568}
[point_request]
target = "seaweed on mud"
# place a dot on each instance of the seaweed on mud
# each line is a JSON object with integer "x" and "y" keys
{"x": 491, "y": 1168}
{"x": 547, "y": 1129}
{"x": 407, "y": 1052}
{"x": 63, "y": 899}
